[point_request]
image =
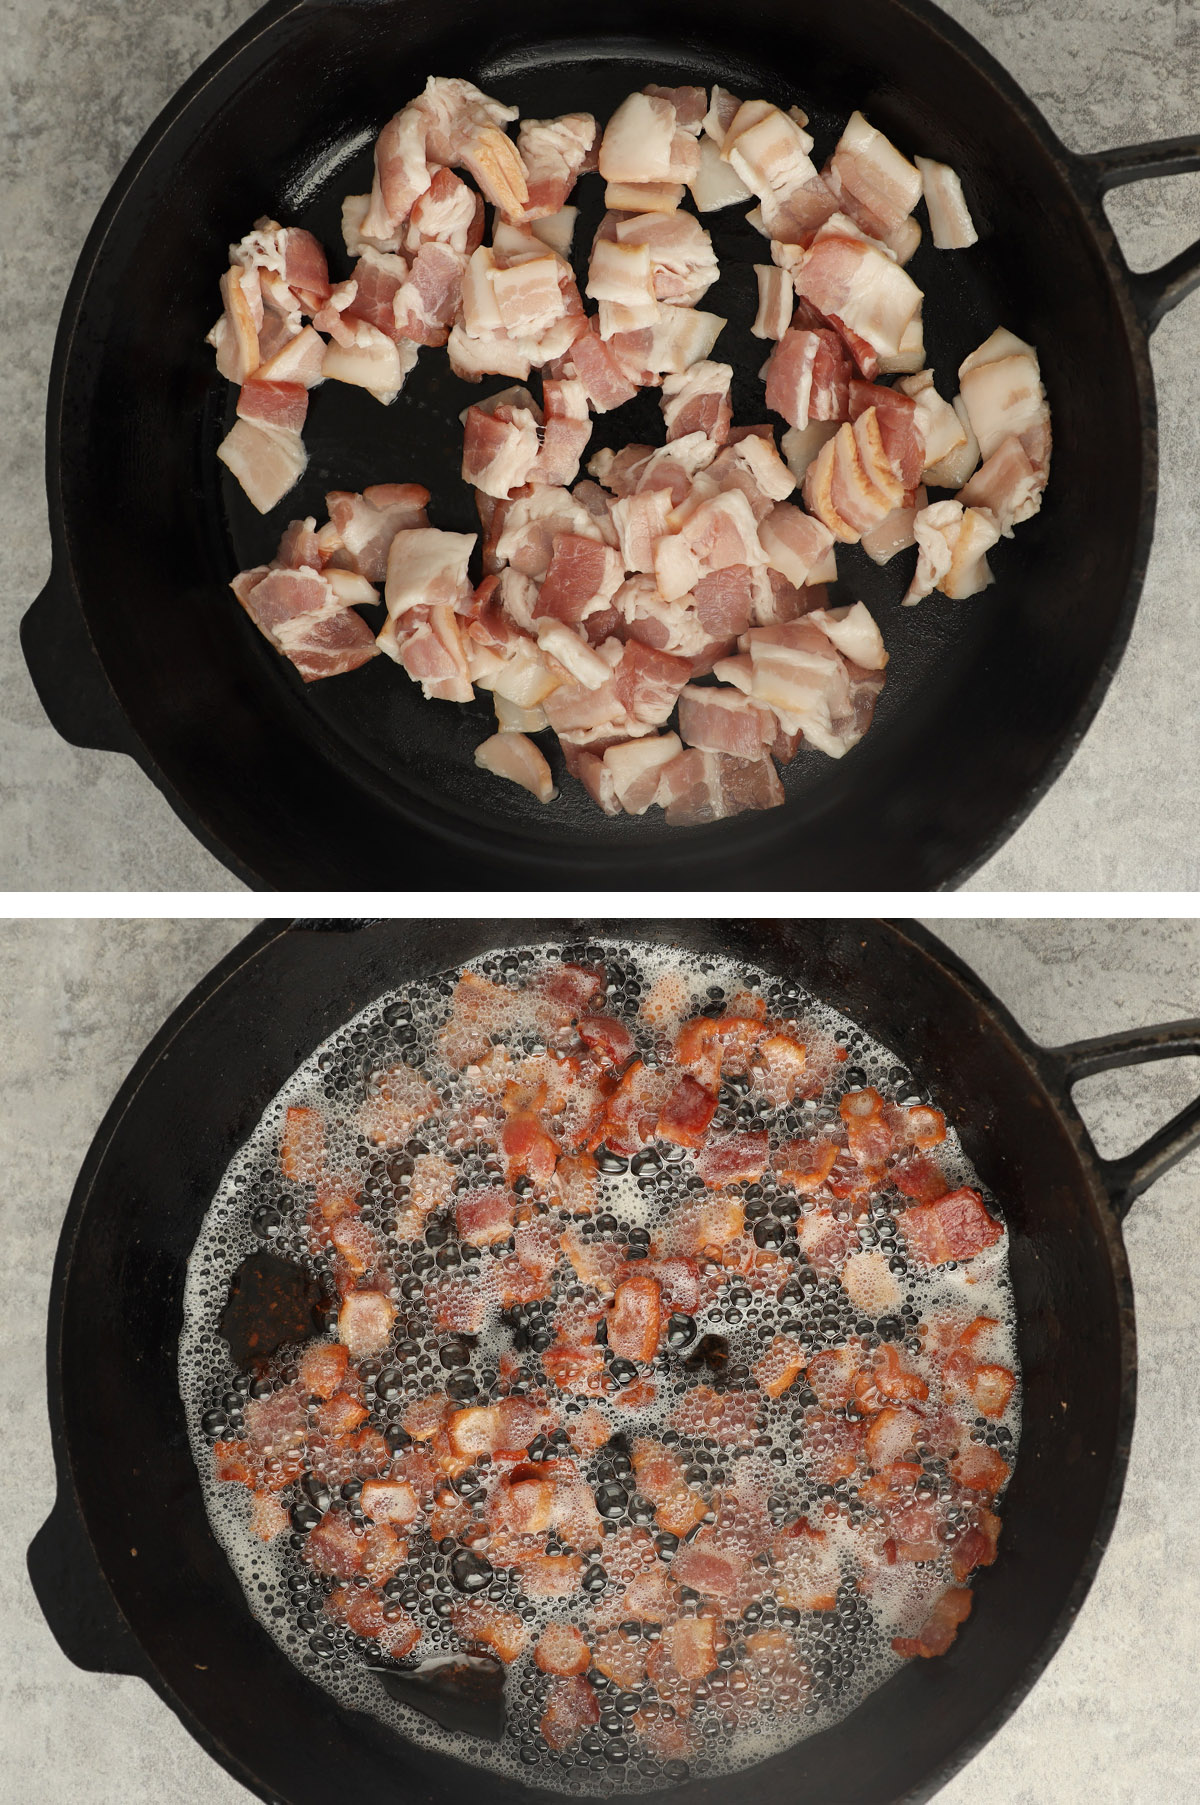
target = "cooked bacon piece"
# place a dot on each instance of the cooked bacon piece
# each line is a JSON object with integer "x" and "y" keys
{"x": 323, "y": 1367}
{"x": 805, "y": 1164}
{"x": 302, "y": 1147}
{"x": 871, "y": 181}
{"x": 575, "y": 1369}
{"x": 976, "y": 1547}
{"x": 687, "y": 1114}
{"x": 690, "y": 1644}
{"x": 635, "y": 1320}
{"x": 920, "y": 1178}
{"x": 956, "y": 1226}
{"x": 659, "y": 1472}
{"x": 528, "y": 1151}
{"x": 608, "y": 1041}
{"x": 620, "y": 1658}
{"x": 950, "y": 221}
{"x": 980, "y": 1469}
{"x": 870, "y": 1284}
{"x": 885, "y": 1380}
{"x": 832, "y": 1374}
{"x": 485, "y": 1625}
{"x": 560, "y": 1649}
{"x": 484, "y": 1216}
{"x": 401, "y": 1101}
{"x": 940, "y": 1627}
{"x": 390, "y": 1501}
{"x": 713, "y": 1571}
{"x": 831, "y": 1447}
{"x": 779, "y": 1366}
{"x": 729, "y": 1416}
{"x": 734, "y": 1159}
{"x": 806, "y": 1565}
{"x": 868, "y": 1129}
{"x": 891, "y": 1435}
{"x": 335, "y": 1546}
{"x": 571, "y": 1708}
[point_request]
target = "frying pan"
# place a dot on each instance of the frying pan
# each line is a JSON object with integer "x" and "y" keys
{"x": 136, "y": 645}
{"x": 129, "y": 1574}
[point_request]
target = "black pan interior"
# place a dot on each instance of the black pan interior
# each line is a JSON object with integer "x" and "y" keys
{"x": 193, "y": 1102}
{"x": 357, "y": 780}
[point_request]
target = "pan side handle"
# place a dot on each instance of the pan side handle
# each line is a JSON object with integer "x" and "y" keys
{"x": 1155, "y": 292}
{"x": 66, "y": 672}
{"x": 1128, "y": 1177}
{"x": 74, "y": 1596}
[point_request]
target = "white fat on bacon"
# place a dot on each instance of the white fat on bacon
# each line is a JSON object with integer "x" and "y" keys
{"x": 950, "y": 220}
{"x": 448, "y": 213}
{"x": 800, "y": 444}
{"x": 532, "y": 520}
{"x": 941, "y": 430}
{"x": 716, "y": 183}
{"x": 682, "y": 260}
{"x": 362, "y": 527}
{"x": 426, "y": 568}
{"x": 501, "y": 441}
{"x": 953, "y": 544}
{"x": 776, "y": 301}
{"x": 721, "y": 532}
{"x": 644, "y": 142}
{"x": 697, "y": 400}
{"x": 515, "y": 757}
{"x": 847, "y": 276}
{"x": 635, "y": 767}
{"x": 769, "y": 151}
{"x": 454, "y": 125}
{"x": 621, "y": 279}
{"x": 793, "y": 542}
{"x": 724, "y": 720}
{"x": 896, "y": 531}
{"x": 372, "y": 361}
{"x": 1002, "y": 391}
{"x": 874, "y": 184}
{"x": 554, "y": 152}
{"x": 427, "y": 644}
{"x": 266, "y": 460}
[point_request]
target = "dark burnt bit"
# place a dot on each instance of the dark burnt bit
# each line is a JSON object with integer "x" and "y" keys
{"x": 460, "y": 1692}
{"x": 272, "y": 1302}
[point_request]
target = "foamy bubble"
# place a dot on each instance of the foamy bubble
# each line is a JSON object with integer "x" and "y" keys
{"x": 652, "y": 988}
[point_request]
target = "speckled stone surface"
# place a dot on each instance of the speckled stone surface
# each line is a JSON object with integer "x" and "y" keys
{"x": 1115, "y": 1720}
{"x": 93, "y": 73}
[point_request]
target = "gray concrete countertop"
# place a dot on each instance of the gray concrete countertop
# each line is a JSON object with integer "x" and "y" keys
{"x": 1115, "y": 1720}
{"x": 90, "y": 75}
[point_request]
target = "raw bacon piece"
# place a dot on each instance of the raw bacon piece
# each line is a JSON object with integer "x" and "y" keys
{"x": 794, "y": 542}
{"x": 724, "y": 720}
{"x": 1002, "y": 390}
{"x": 775, "y": 302}
{"x": 698, "y": 787}
{"x": 427, "y": 643}
{"x": 683, "y": 264}
{"x": 266, "y": 460}
{"x": 366, "y": 524}
{"x": 1008, "y": 485}
{"x": 808, "y": 376}
{"x": 953, "y": 544}
{"x": 597, "y": 368}
{"x": 871, "y": 181}
{"x": 859, "y": 289}
{"x": 300, "y": 613}
{"x": 950, "y": 220}
{"x": 554, "y": 152}
{"x": 424, "y": 305}
{"x": 501, "y": 442}
{"x": 697, "y": 400}
{"x": 940, "y": 1627}
{"x": 583, "y": 575}
{"x": 716, "y": 183}
{"x": 642, "y": 143}
{"x": 428, "y": 568}
{"x": 448, "y": 213}
{"x": 566, "y": 430}
{"x": 451, "y": 123}
{"x": 632, "y": 770}
{"x": 854, "y": 632}
{"x": 896, "y": 414}
{"x": 648, "y": 682}
{"x": 955, "y": 1226}
{"x": 512, "y": 755}
{"x": 769, "y": 151}
{"x": 371, "y": 360}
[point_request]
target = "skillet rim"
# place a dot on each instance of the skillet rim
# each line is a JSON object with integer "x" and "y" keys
{"x": 1046, "y": 1069}
{"x": 1079, "y": 176}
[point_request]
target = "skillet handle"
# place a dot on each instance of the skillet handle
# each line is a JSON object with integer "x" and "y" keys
{"x": 1128, "y": 1177}
{"x": 74, "y": 1596}
{"x": 66, "y": 672}
{"x": 1155, "y": 292}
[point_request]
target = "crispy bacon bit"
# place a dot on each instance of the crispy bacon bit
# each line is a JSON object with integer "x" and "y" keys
{"x": 736, "y": 1159}
{"x": 620, "y": 1658}
{"x": 560, "y": 1649}
{"x": 805, "y": 1164}
{"x": 635, "y": 1321}
{"x": 302, "y": 1149}
{"x": 807, "y": 1568}
{"x": 335, "y": 1546}
{"x": 390, "y": 1501}
{"x": 867, "y": 1127}
{"x": 925, "y": 1127}
{"x": 575, "y": 1369}
{"x": 365, "y": 1323}
{"x": 687, "y": 1114}
{"x": 487, "y": 1625}
{"x": 529, "y": 1152}
{"x": 980, "y": 1469}
{"x": 608, "y": 1040}
{"x": 779, "y": 1366}
{"x": 323, "y": 1367}
{"x": 571, "y": 1708}
{"x": 940, "y": 1627}
{"x": 954, "y": 1227}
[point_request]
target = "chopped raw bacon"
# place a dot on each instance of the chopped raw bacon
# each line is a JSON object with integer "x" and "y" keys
{"x": 950, "y": 220}
{"x": 707, "y": 786}
{"x": 554, "y": 152}
{"x": 366, "y": 524}
{"x": 871, "y": 181}
{"x": 583, "y": 575}
{"x": 808, "y": 376}
{"x": 697, "y": 400}
{"x": 501, "y": 442}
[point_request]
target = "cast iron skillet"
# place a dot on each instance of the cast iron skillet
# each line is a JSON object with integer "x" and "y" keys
{"x": 129, "y": 1574}
{"x": 136, "y": 645}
